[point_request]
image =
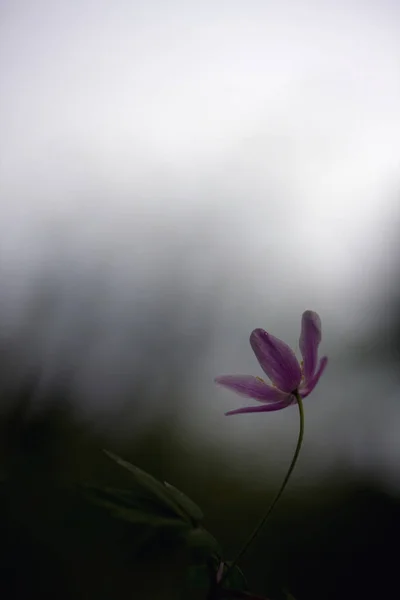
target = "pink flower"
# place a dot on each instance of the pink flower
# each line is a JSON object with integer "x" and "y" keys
{"x": 279, "y": 362}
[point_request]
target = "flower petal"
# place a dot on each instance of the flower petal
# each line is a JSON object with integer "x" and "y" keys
{"x": 276, "y": 359}
{"x": 252, "y": 387}
{"x": 264, "y": 408}
{"x": 310, "y": 338}
{"x": 308, "y": 387}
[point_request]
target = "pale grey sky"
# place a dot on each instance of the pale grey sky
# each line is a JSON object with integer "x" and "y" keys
{"x": 239, "y": 108}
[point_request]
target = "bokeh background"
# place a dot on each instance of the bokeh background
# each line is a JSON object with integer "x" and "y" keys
{"x": 173, "y": 175}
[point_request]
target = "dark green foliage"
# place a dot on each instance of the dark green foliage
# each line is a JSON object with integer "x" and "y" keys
{"x": 164, "y": 495}
{"x": 156, "y": 510}
{"x": 332, "y": 541}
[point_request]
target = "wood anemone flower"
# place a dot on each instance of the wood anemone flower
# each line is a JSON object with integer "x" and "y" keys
{"x": 280, "y": 364}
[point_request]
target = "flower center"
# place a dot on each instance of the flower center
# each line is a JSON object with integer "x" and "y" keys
{"x": 302, "y": 370}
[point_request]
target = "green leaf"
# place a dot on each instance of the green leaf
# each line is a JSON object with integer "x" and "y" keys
{"x": 186, "y": 504}
{"x": 126, "y": 505}
{"x": 156, "y": 508}
{"x": 151, "y": 519}
{"x": 161, "y": 493}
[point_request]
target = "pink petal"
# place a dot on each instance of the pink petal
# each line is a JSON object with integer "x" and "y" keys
{"x": 277, "y": 360}
{"x": 252, "y": 387}
{"x": 263, "y": 408}
{"x": 307, "y": 388}
{"x": 310, "y": 339}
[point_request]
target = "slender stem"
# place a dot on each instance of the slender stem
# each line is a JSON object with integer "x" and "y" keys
{"x": 271, "y": 507}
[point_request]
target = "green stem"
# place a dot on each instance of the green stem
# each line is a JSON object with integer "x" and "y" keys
{"x": 261, "y": 524}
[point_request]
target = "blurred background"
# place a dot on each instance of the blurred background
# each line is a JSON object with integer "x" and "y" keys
{"x": 173, "y": 175}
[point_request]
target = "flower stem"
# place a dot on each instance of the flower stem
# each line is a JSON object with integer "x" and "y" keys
{"x": 271, "y": 507}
